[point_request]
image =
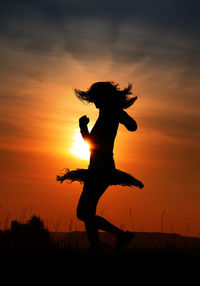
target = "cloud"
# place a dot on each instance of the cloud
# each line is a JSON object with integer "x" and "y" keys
{"x": 173, "y": 123}
{"x": 13, "y": 130}
{"x": 153, "y": 39}
{"x": 158, "y": 40}
{"x": 132, "y": 30}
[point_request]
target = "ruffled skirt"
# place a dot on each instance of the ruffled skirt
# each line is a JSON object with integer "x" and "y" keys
{"x": 111, "y": 177}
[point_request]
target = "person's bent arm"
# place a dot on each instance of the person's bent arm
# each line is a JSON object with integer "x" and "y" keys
{"x": 83, "y": 121}
{"x": 128, "y": 121}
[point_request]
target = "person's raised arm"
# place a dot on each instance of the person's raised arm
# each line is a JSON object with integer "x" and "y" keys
{"x": 83, "y": 122}
{"x": 127, "y": 121}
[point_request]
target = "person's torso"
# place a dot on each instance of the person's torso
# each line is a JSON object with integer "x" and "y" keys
{"x": 102, "y": 135}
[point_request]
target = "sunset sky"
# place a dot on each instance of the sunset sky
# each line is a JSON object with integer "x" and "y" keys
{"x": 48, "y": 48}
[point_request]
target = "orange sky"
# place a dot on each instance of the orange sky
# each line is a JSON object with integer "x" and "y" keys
{"x": 39, "y": 115}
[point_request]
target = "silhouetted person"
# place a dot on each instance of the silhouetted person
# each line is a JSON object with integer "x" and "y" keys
{"x": 111, "y": 102}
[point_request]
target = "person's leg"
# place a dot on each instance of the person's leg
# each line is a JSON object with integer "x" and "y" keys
{"x": 86, "y": 211}
{"x": 105, "y": 225}
{"x": 94, "y": 223}
{"x": 92, "y": 233}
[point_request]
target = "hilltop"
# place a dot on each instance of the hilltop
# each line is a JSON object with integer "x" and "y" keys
{"x": 143, "y": 242}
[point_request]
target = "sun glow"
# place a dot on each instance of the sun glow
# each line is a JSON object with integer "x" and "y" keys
{"x": 80, "y": 148}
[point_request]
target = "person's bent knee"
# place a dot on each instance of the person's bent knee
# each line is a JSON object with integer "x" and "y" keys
{"x": 84, "y": 215}
{"x": 81, "y": 214}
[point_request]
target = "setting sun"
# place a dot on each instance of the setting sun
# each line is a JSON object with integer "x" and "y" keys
{"x": 80, "y": 148}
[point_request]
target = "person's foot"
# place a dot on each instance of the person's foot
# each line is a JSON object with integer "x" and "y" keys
{"x": 123, "y": 240}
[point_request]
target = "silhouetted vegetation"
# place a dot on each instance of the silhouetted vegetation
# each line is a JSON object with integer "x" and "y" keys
{"x": 28, "y": 235}
{"x": 32, "y": 237}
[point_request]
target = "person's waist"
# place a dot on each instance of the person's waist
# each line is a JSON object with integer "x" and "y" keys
{"x": 103, "y": 161}
{"x": 102, "y": 151}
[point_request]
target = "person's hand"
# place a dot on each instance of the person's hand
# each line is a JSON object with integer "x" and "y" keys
{"x": 84, "y": 120}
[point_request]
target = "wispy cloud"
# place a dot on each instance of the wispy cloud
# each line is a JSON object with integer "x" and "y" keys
{"x": 134, "y": 30}
{"x": 155, "y": 42}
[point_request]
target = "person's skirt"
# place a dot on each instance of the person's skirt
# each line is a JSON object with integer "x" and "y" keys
{"x": 110, "y": 176}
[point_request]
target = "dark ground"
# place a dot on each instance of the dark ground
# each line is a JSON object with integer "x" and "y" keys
{"x": 75, "y": 245}
{"x": 151, "y": 256}
{"x": 29, "y": 247}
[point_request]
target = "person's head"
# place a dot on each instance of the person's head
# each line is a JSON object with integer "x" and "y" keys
{"x": 107, "y": 94}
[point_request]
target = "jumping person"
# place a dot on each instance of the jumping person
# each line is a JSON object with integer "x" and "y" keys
{"x": 111, "y": 102}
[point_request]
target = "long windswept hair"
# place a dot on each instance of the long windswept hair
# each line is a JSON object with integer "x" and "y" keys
{"x": 107, "y": 92}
